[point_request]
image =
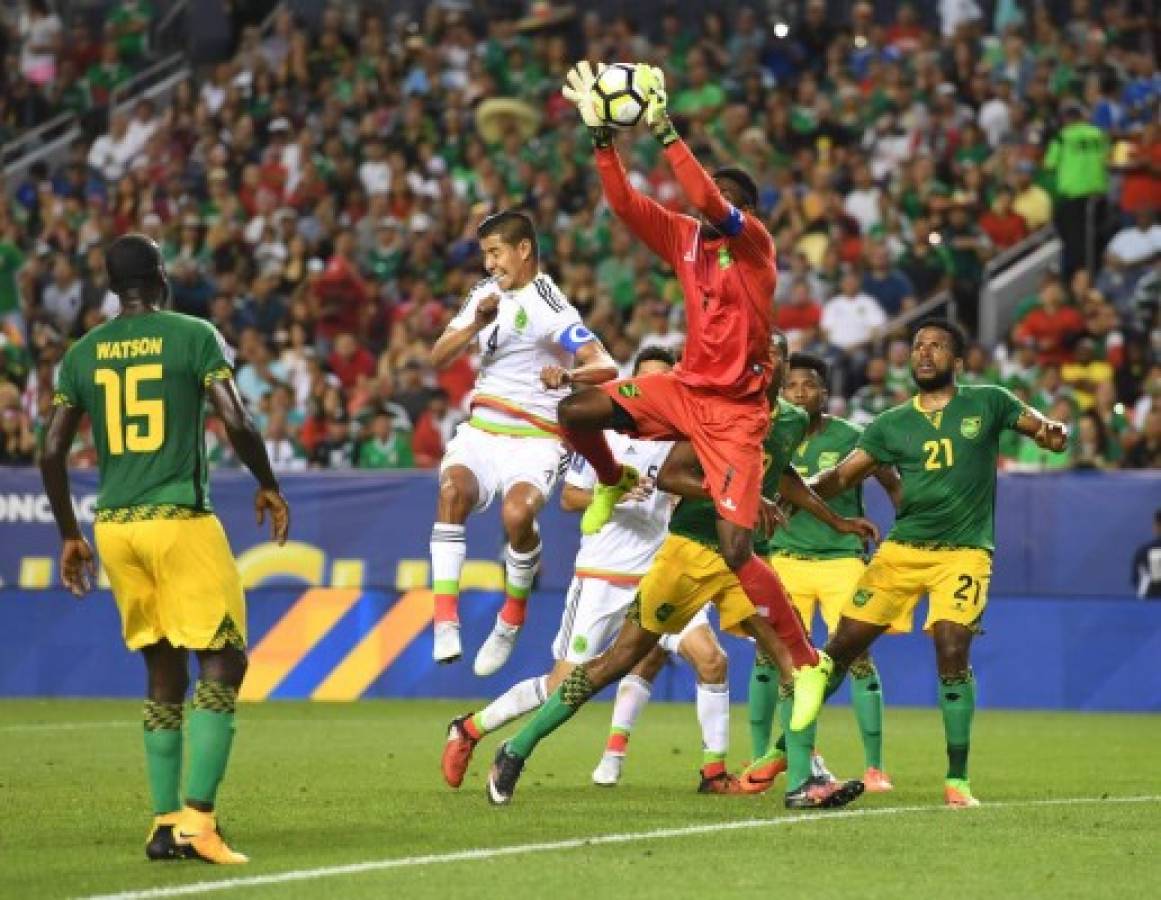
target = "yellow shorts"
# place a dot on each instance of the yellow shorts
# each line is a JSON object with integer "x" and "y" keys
{"x": 956, "y": 582}
{"x": 174, "y": 579}
{"x": 684, "y": 577}
{"x": 823, "y": 584}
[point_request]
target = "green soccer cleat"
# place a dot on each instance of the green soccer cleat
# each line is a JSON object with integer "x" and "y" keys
{"x": 957, "y": 794}
{"x": 605, "y": 499}
{"x": 809, "y": 691}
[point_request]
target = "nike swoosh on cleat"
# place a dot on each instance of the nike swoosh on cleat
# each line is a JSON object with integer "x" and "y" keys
{"x": 496, "y": 799}
{"x": 182, "y": 836}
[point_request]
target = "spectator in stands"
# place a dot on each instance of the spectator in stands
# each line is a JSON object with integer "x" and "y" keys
{"x": 852, "y": 319}
{"x": 1146, "y": 575}
{"x": 888, "y": 285}
{"x": 336, "y": 449}
{"x": 260, "y": 371}
{"x": 17, "y": 439}
{"x": 1146, "y": 453}
{"x": 286, "y": 454}
{"x": 1001, "y": 223}
{"x": 1136, "y": 245}
{"x": 1079, "y": 158}
{"x": 800, "y": 316}
{"x": 349, "y": 361}
{"x": 874, "y": 396}
{"x": 1053, "y": 324}
{"x": 384, "y": 447}
{"x": 62, "y": 299}
{"x": 1090, "y": 449}
{"x": 1030, "y": 201}
{"x": 434, "y": 430}
{"x": 40, "y": 42}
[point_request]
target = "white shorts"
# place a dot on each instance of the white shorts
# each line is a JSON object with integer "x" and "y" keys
{"x": 499, "y": 461}
{"x": 594, "y": 612}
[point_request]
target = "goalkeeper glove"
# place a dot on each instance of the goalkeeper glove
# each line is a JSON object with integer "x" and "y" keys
{"x": 652, "y": 82}
{"x": 578, "y": 88}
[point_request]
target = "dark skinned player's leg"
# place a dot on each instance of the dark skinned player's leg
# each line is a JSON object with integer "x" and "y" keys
{"x": 211, "y": 724}
{"x": 957, "y": 692}
{"x": 168, "y": 676}
{"x": 632, "y": 645}
{"x": 583, "y": 416}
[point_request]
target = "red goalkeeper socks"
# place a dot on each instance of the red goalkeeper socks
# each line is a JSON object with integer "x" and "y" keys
{"x": 765, "y": 591}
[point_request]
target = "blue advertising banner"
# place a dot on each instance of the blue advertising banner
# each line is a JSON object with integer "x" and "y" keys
{"x": 1060, "y": 535}
{"x": 338, "y": 644}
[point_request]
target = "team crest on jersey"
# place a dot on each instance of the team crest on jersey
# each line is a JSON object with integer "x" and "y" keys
{"x": 971, "y": 426}
{"x": 664, "y": 611}
{"x": 580, "y": 644}
{"x": 629, "y": 390}
{"x": 828, "y": 459}
{"x": 724, "y": 258}
{"x": 861, "y": 598}
{"x": 521, "y": 319}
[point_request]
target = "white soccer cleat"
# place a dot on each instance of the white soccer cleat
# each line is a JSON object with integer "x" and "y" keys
{"x": 496, "y": 649}
{"x": 608, "y": 770}
{"x": 818, "y": 769}
{"x": 447, "y": 647}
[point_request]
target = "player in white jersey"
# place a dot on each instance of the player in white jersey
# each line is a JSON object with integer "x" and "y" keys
{"x": 533, "y": 346}
{"x": 608, "y": 567}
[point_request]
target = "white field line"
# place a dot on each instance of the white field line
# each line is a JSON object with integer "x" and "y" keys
{"x": 35, "y": 727}
{"x": 435, "y": 859}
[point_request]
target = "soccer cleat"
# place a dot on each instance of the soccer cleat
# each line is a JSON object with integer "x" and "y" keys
{"x": 608, "y": 770}
{"x": 957, "y": 794}
{"x": 496, "y": 649}
{"x": 809, "y": 690}
{"x": 814, "y": 793}
{"x": 502, "y": 777}
{"x": 876, "y": 781}
{"x": 447, "y": 647}
{"x": 160, "y": 845}
{"x": 457, "y": 752}
{"x": 605, "y": 499}
{"x": 197, "y": 833}
{"x": 721, "y": 783}
{"x": 760, "y": 774}
{"x": 818, "y": 768}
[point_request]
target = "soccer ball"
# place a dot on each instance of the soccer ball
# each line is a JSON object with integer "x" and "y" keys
{"x": 618, "y": 97}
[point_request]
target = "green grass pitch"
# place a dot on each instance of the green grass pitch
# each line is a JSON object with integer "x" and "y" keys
{"x": 314, "y": 786}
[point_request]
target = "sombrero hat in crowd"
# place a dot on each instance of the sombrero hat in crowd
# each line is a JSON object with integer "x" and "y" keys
{"x": 543, "y": 14}
{"x": 495, "y": 117}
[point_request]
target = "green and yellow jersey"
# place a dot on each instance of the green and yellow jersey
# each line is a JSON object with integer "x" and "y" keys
{"x": 142, "y": 380}
{"x": 697, "y": 519}
{"x": 947, "y": 462}
{"x": 804, "y": 536}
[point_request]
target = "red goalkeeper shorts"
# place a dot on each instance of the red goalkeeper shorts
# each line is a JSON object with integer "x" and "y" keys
{"x": 726, "y": 435}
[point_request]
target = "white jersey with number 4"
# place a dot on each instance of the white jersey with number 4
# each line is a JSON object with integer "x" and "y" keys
{"x": 535, "y": 326}
{"x": 626, "y": 546}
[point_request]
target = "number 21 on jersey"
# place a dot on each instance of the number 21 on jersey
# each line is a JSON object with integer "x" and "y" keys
{"x": 939, "y": 454}
{"x": 121, "y": 399}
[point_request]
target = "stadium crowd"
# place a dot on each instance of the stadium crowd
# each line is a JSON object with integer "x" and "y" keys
{"x": 316, "y": 198}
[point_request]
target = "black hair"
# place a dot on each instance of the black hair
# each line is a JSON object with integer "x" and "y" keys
{"x": 744, "y": 182}
{"x": 778, "y": 336}
{"x": 959, "y": 339}
{"x": 513, "y": 227}
{"x": 654, "y": 354}
{"x": 134, "y": 265}
{"x": 815, "y": 363}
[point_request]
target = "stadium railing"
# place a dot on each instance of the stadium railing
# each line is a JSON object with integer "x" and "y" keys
{"x": 1010, "y": 277}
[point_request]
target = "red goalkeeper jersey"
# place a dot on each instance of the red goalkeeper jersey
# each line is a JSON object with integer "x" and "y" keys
{"x": 728, "y": 282}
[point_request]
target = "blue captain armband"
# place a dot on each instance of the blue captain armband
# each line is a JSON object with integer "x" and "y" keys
{"x": 575, "y": 337}
{"x": 731, "y": 225}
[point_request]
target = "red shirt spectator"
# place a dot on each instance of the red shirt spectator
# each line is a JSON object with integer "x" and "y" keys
{"x": 1003, "y": 225}
{"x": 1053, "y": 325}
{"x": 802, "y": 312}
{"x": 348, "y": 361}
{"x": 344, "y": 297}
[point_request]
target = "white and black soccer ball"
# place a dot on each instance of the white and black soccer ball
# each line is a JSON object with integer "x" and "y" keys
{"x": 618, "y": 97}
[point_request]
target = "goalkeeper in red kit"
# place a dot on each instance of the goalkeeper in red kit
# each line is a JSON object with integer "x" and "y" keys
{"x": 716, "y": 396}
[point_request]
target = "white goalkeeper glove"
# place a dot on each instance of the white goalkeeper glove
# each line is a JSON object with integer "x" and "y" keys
{"x": 578, "y": 89}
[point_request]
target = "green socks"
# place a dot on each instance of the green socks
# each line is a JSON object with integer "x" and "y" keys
{"x": 867, "y": 699}
{"x": 573, "y": 693}
{"x": 163, "y": 749}
{"x": 957, "y": 702}
{"x": 799, "y": 744}
{"x": 211, "y": 733}
{"x": 763, "y": 702}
